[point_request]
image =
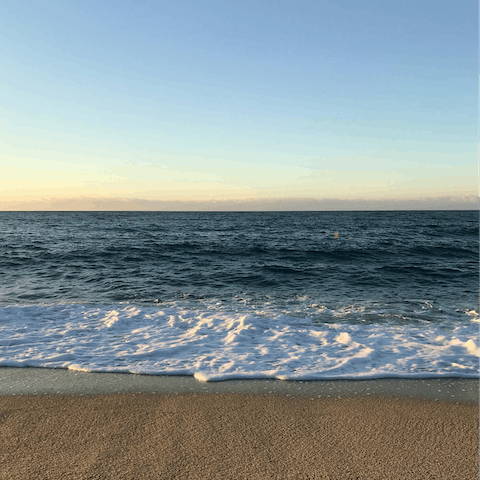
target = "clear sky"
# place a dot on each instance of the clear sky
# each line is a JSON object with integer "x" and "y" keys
{"x": 340, "y": 104}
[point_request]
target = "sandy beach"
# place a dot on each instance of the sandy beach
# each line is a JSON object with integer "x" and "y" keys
{"x": 236, "y": 436}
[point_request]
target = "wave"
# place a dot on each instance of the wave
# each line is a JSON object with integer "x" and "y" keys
{"x": 214, "y": 341}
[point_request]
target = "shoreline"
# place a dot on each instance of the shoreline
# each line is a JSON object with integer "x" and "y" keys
{"x": 45, "y": 381}
{"x": 58, "y": 423}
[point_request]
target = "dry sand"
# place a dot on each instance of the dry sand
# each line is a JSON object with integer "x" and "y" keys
{"x": 236, "y": 436}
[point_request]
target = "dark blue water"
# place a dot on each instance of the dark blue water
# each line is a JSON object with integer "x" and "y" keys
{"x": 144, "y": 257}
{"x": 242, "y": 295}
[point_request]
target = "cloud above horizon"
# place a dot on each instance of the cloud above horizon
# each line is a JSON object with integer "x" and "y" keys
{"x": 466, "y": 202}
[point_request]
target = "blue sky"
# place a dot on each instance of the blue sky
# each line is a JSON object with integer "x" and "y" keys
{"x": 244, "y": 102}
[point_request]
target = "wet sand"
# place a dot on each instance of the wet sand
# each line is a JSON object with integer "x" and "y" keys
{"x": 220, "y": 435}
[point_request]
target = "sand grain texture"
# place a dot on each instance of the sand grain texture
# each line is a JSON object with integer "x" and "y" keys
{"x": 233, "y": 436}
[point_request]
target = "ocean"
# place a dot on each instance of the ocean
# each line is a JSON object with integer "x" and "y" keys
{"x": 223, "y": 295}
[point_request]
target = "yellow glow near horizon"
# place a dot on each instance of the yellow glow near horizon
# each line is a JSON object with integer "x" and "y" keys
{"x": 30, "y": 179}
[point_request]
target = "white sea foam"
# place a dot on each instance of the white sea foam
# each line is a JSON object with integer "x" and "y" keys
{"x": 216, "y": 343}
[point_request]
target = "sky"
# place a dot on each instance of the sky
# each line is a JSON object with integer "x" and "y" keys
{"x": 240, "y": 105}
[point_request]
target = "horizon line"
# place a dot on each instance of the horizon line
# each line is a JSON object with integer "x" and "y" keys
{"x": 281, "y": 204}
{"x": 241, "y": 211}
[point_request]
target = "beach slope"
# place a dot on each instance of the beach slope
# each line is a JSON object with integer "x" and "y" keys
{"x": 236, "y": 436}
